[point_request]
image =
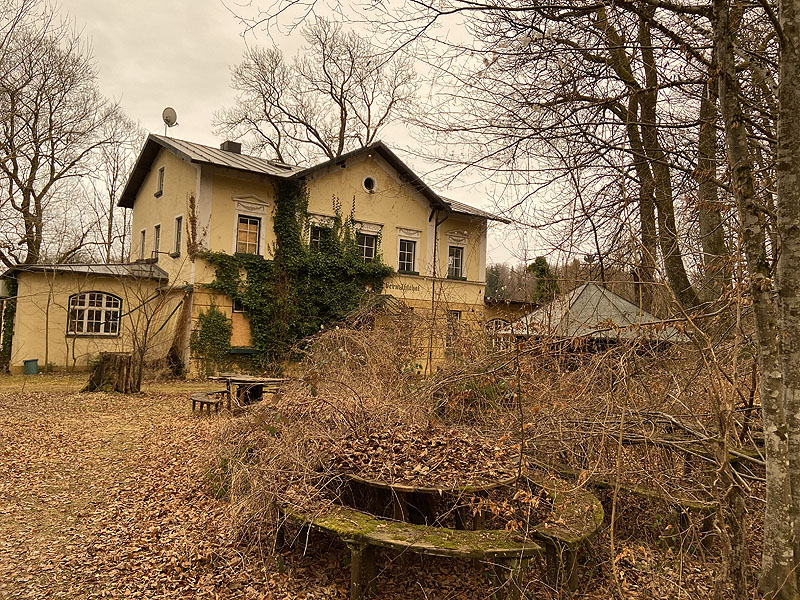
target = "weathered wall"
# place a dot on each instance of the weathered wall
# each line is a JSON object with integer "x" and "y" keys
{"x": 40, "y": 325}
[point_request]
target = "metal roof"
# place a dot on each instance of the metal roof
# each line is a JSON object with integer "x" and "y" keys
{"x": 591, "y": 310}
{"x": 202, "y": 154}
{"x": 465, "y": 209}
{"x": 199, "y": 154}
{"x": 143, "y": 270}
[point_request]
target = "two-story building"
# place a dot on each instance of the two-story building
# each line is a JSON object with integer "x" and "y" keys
{"x": 187, "y": 197}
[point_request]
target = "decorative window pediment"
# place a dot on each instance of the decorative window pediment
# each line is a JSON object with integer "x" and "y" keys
{"x": 251, "y": 204}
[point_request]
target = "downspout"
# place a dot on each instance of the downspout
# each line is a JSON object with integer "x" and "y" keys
{"x": 436, "y": 222}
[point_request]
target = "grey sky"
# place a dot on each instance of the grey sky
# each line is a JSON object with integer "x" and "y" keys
{"x": 152, "y": 54}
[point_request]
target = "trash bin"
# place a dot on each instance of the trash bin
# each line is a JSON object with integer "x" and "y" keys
{"x": 31, "y": 367}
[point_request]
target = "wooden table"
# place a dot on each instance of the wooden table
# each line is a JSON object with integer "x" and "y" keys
{"x": 247, "y": 389}
{"x": 417, "y": 503}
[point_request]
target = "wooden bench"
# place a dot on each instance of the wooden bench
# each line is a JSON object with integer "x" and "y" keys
{"x": 576, "y": 517}
{"x": 208, "y": 399}
{"x": 363, "y": 533}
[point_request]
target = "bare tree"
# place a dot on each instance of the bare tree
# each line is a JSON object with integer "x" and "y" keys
{"x": 335, "y": 96}
{"x": 53, "y": 119}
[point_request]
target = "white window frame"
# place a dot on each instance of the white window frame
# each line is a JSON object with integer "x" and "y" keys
{"x": 365, "y": 247}
{"x": 239, "y": 217}
{"x": 88, "y": 310}
{"x": 156, "y": 240}
{"x": 460, "y": 273}
{"x": 177, "y": 240}
{"x": 413, "y": 257}
{"x": 160, "y": 182}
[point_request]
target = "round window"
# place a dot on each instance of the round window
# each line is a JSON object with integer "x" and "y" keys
{"x": 369, "y": 185}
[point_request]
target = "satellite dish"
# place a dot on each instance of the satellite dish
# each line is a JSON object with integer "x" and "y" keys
{"x": 170, "y": 117}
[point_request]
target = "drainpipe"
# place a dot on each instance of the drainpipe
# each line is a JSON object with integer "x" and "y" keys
{"x": 436, "y": 222}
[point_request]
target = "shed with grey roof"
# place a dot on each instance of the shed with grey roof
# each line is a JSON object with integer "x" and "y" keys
{"x": 591, "y": 311}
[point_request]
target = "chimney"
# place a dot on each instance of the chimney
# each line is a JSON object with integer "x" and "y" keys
{"x": 229, "y": 146}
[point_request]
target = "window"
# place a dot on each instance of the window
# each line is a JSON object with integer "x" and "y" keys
{"x": 142, "y": 243}
{"x": 248, "y": 235}
{"x": 238, "y": 307}
{"x": 453, "y": 323}
{"x": 156, "y": 240}
{"x": 368, "y": 245}
{"x": 455, "y": 262}
{"x": 369, "y": 185}
{"x": 497, "y": 340}
{"x": 178, "y": 235}
{"x": 405, "y": 261}
{"x": 319, "y": 236}
{"x": 94, "y": 313}
{"x": 160, "y": 188}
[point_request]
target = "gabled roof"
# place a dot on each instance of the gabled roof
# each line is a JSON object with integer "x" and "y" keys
{"x": 141, "y": 270}
{"x": 591, "y": 310}
{"x": 202, "y": 154}
{"x": 390, "y": 157}
{"x": 199, "y": 154}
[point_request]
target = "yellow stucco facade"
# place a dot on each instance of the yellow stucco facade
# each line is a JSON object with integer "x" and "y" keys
{"x": 183, "y": 194}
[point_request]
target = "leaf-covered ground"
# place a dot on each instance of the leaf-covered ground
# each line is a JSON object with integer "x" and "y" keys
{"x": 105, "y": 496}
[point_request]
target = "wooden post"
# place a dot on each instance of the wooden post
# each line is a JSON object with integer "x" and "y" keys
{"x": 362, "y": 569}
{"x": 508, "y": 578}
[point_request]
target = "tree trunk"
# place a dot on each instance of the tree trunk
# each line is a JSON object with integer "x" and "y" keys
{"x": 788, "y": 217}
{"x": 667, "y": 228}
{"x": 778, "y": 579}
{"x": 112, "y": 373}
{"x": 709, "y": 213}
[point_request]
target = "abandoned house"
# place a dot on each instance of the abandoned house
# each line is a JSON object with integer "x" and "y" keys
{"x": 187, "y": 197}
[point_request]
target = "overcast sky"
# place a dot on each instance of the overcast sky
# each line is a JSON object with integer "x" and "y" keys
{"x": 155, "y": 53}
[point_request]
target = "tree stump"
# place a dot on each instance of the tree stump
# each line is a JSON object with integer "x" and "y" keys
{"x": 112, "y": 373}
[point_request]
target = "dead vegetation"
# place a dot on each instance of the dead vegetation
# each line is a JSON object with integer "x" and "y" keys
{"x": 636, "y": 425}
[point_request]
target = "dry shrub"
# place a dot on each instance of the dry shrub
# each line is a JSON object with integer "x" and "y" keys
{"x": 629, "y": 414}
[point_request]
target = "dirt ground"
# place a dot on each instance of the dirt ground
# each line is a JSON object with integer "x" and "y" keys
{"x": 105, "y": 496}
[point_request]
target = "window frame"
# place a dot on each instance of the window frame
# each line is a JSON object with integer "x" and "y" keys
{"x": 160, "y": 182}
{"x": 258, "y": 220}
{"x": 110, "y": 304}
{"x": 316, "y": 244}
{"x": 451, "y": 272}
{"x": 142, "y": 243}
{"x": 364, "y": 247}
{"x": 156, "y": 240}
{"x": 400, "y": 252}
{"x": 177, "y": 239}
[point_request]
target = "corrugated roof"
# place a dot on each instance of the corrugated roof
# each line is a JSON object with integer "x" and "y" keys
{"x": 142, "y": 270}
{"x": 591, "y": 310}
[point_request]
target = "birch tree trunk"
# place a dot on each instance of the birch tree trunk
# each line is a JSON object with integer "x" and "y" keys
{"x": 778, "y": 579}
{"x": 788, "y": 213}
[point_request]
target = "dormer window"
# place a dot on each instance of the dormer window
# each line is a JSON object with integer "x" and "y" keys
{"x": 160, "y": 186}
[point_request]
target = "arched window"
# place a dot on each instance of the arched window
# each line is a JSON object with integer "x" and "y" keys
{"x": 94, "y": 313}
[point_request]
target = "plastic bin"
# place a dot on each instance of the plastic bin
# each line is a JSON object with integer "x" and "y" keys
{"x": 31, "y": 367}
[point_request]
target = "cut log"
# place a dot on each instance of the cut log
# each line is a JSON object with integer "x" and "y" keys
{"x": 112, "y": 373}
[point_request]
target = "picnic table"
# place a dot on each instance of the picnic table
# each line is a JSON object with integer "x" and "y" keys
{"x": 247, "y": 389}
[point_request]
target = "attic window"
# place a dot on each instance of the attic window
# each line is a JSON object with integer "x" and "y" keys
{"x": 369, "y": 185}
{"x": 160, "y": 188}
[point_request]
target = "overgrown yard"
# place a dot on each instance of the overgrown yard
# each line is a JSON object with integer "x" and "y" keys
{"x": 104, "y": 495}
